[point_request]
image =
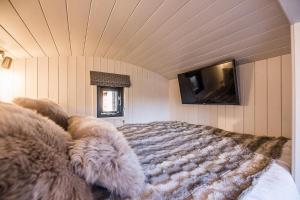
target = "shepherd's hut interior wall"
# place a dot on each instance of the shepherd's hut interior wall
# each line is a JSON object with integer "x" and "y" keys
{"x": 66, "y": 80}
{"x": 266, "y": 101}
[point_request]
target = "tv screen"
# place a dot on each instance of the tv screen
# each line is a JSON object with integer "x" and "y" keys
{"x": 216, "y": 84}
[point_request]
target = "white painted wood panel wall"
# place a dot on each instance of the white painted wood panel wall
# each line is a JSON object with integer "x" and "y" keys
{"x": 66, "y": 80}
{"x": 266, "y": 101}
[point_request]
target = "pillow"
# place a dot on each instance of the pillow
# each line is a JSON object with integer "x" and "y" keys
{"x": 101, "y": 155}
{"x": 46, "y": 108}
{"x": 34, "y": 159}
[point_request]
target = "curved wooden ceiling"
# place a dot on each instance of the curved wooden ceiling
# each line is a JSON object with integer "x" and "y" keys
{"x": 165, "y": 36}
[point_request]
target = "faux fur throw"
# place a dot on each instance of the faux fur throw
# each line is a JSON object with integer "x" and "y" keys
{"x": 47, "y": 108}
{"x": 101, "y": 155}
{"x": 34, "y": 164}
{"x": 185, "y": 161}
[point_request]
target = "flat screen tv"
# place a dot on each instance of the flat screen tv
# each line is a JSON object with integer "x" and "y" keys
{"x": 215, "y": 84}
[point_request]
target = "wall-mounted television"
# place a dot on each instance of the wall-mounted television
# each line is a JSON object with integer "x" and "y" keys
{"x": 215, "y": 84}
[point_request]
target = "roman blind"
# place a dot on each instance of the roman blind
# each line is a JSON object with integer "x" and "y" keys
{"x": 109, "y": 79}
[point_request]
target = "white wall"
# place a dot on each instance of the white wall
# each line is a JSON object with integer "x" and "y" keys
{"x": 66, "y": 80}
{"x": 295, "y": 32}
{"x": 266, "y": 101}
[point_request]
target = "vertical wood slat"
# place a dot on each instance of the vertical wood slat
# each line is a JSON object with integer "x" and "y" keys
{"x": 238, "y": 125}
{"x": 31, "y": 77}
{"x": 222, "y": 117}
{"x": 80, "y": 85}
{"x": 19, "y": 86}
{"x": 286, "y": 68}
{"x": 72, "y": 102}
{"x": 274, "y": 96}
{"x": 6, "y": 84}
{"x": 43, "y": 77}
{"x": 248, "y": 97}
{"x": 63, "y": 82}
{"x": 53, "y": 79}
{"x": 261, "y": 98}
{"x": 213, "y": 110}
{"x": 96, "y": 67}
{"x": 89, "y": 62}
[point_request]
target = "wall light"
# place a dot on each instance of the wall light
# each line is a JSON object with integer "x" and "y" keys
{"x": 6, "y": 61}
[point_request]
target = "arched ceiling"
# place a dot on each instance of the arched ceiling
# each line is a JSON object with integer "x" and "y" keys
{"x": 165, "y": 36}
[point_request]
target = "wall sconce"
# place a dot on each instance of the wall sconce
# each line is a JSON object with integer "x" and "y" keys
{"x": 6, "y": 61}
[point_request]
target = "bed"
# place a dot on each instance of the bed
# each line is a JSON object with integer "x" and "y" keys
{"x": 186, "y": 161}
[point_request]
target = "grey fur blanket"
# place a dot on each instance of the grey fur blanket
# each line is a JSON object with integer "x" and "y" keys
{"x": 185, "y": 161}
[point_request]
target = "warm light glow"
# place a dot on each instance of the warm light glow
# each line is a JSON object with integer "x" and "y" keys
{"x": 6, "y": 89}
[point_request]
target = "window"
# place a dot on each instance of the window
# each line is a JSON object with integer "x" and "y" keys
{"x": 110, "y": 101}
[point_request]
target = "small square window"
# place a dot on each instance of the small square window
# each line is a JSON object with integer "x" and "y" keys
{"x": 110, "y": 101}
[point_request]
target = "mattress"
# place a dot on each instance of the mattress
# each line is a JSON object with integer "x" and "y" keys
{"x": 186, "y": 161}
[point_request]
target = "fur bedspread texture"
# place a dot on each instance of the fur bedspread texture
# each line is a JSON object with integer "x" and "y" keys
{"x": 34, "y": 164}
{"x": 46, "y": 108}
{"x": 186, "y": 161}
{"x": 102, "y": 156}
{"x": 94, "y": 160}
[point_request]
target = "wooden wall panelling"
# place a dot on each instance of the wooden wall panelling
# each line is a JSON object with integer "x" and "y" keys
{"x": 119, "y": 16}
{"x": 72, "y": 84}
{"x": 11, "y": 46}
{"x": 78, "y": 16}
{"x": 32, "y": 15}
{"x": 31, "y": 77}
{"x": 43, "y": 77}
{"x": 63, "y": 82}
{"x": 19, "y": 78}
{"x": 80, "y": 85}
{"x": 89, "y": 96}
{"x": 57, "y": 20}
{"x": 261, "y": 98}
{"x": 129, "y": 70}
{"x": 286, "y": 99}
{"x": 274, "y": 96}
{"x": 229, "y": 117}
{"x": 248, "y": 97}
{"x": 213, "y": 117}
{"x": 221, "y": 116}
{"x": 96, "y": 67}
{"x": 203, "y": 114}
{"x": 265, "y": 92}
{"x": 98, "y": 19}
{"x": 143, "y": 11}
{"x": 53, "y": 78}
{"x": 14, "y": 25}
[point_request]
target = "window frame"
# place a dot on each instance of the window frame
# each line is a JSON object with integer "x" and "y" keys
{"x": 120, "y": 108}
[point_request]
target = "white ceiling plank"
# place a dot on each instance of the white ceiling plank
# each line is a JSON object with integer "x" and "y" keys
{"x": 10, "y": 20}
{"x": 264, "y": 27}
{"x": 225, "y": 54}
{"x": 56, "y": 17}
{"x": 142, "y": 13}
{"x": 164, "y": 12}
{"x": 120, "y": 14}
{"x": 99, "y": 15}
{"x": 255, "y": 57}
{"x": 78, "y": 17}
{"x": 229, "y": 53}
{"x": 207, "y": 11}
{"x": 229, "y": 21}
{"x": 32, "y": 15}
{"x": 9, "y": 44}
{"x": 165, "y": 36}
